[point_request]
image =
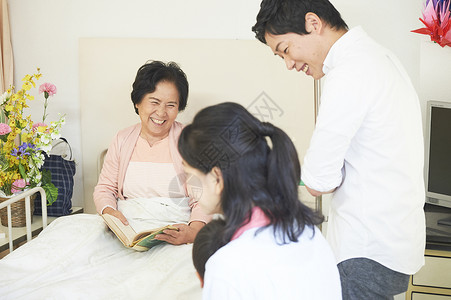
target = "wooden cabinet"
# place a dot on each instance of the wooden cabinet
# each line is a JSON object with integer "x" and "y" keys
{"x": 433, "y": 281}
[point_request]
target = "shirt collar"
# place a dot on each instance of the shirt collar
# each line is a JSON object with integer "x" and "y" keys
{"x": 340, "y": 47}
{"x": 258, "y": 219}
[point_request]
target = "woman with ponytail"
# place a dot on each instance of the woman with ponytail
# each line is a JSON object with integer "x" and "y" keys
{"x": 273, "y": 249}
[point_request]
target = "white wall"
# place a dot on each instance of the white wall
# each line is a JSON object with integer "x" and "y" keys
{"x": 45, "y": 33}
{"x": 390, "y": 23}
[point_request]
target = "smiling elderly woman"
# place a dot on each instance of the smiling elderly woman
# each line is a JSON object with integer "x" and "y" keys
{"x": 142, "y": 183}
{"x": 143, "y": 160}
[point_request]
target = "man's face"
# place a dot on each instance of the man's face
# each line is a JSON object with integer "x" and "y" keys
{"x": 300, "y": 52}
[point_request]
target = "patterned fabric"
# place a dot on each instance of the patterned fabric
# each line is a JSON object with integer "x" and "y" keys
{"x": 63, "y": 172}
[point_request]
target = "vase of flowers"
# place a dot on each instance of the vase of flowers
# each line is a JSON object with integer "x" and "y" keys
{"x": 23, "y": 142}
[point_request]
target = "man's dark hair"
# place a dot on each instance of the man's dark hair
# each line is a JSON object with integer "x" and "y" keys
{"x": 285, "y": 16}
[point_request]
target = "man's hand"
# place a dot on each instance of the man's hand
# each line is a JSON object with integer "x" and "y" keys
{"x": 315, "y": 193}
{"x": 116, "y": 213}
{"x": 185, "y": 235}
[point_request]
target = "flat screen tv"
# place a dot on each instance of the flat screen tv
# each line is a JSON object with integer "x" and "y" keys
{"x": 438, "y": 153}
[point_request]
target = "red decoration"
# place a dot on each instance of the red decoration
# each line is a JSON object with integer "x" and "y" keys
{"x": 437, "y": 20}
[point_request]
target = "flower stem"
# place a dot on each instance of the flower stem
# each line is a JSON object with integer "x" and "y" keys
{"x": 45, "y": 109}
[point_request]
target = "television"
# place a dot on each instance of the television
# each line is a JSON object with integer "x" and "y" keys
{"x": 438, "y": 155}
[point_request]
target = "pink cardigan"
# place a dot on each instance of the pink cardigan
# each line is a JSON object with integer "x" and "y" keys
{"x": 111, "y": 179}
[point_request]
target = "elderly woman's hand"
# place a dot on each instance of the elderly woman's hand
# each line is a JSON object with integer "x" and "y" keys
{"x": 116, "y": 213}
{"x": 185, "y": 235}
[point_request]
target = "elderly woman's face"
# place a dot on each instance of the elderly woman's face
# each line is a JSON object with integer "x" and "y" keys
{"x": 158, "y": 110}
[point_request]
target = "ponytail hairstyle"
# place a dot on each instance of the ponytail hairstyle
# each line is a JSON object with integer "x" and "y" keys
{"x": 227, "y": 136}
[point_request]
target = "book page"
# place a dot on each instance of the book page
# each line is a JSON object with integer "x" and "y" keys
{"x": 124, "y": 232}
{"x": 141, "y": 225}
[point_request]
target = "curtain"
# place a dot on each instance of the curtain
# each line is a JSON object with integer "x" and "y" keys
{"x": 6, "y": 61}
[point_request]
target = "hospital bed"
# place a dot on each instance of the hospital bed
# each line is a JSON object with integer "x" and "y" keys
{"x": 77, "y": 257}
{"x": 10, "y": 236}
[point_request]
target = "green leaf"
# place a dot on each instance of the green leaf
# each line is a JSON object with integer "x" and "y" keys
{"x": 22, "y": 171}
{"x": 46, "y": 177}
{"x": 51, "y": 192}
{"x": 2, "y": 116}
{"x": 4, "y": 164}
{"x": 4, "y": 137}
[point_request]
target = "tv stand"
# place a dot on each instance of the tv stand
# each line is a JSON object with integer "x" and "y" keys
{"x": 438, "y": 226}
{"x": 433, "y": 280}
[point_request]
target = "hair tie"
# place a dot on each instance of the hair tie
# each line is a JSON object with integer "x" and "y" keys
{"x": 267, "y": 129}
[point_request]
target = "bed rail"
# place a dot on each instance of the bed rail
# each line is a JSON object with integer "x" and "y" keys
{"x": 27, "y": 194}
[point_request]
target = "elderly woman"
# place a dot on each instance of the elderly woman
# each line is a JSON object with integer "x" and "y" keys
{"x": 141, "y": 182}
{"x": 143, "y": 160}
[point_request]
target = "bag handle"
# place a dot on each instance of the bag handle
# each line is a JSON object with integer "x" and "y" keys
{"x": 61, "y": 140}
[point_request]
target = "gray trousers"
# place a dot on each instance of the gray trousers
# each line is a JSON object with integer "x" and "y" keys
{"x": 365, "y": 279}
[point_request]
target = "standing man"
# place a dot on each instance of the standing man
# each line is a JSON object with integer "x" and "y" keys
{"x": 367, "y": 147}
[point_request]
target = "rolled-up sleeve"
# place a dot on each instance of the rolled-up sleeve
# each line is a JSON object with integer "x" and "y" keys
{"x": 340, "y": 116}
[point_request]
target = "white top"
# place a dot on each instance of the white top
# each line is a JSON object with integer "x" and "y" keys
{"x": 368, "y": 142}
{"x": 256, "y": 267}
{"x": 148, "y": 179}
{"x": 151, "y": 172}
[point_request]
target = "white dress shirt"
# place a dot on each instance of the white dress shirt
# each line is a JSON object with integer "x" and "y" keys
{"x": 368, "y": 143}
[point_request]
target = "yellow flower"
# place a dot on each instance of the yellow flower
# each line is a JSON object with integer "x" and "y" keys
{"x": 26, "y": 78}
{"x": 21, "y": 130}
{"x": 25, "y": 136}
{"x": 26, "y": 86}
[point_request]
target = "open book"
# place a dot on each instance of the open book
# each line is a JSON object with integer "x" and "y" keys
{"x": 141, "y": 241}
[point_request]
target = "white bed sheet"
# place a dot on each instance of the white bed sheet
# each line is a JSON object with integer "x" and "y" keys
{"x": 77, "y": 257}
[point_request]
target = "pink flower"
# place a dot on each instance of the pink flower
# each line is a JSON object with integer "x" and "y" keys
{"x": 47, "y": 88}
{"x": 18, "y": 186}
{"x": 37, "y": 125}
{"x": 4, "y": 129}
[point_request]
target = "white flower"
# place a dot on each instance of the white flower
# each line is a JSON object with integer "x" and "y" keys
{"x": 44, "y": 140}
{"x": 3, "y": 97}
{"x": 46, "y": 148}
{"x": 55, "y": 135}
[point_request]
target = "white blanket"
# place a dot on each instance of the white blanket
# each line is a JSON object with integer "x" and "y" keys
{"x": 77, "y": 257}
